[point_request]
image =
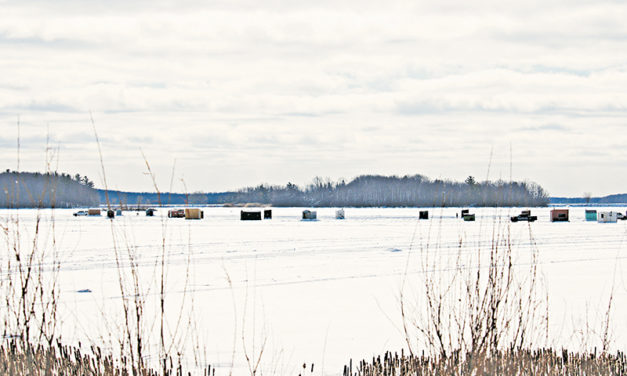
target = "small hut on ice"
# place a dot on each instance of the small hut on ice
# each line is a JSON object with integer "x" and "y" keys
{"x": 310, "y": 214}
{"x": 559, "y": 215}
{"x": 607, "y": 217}
{"x": 467, "y": 216}
{"x": 250, "y": 215}
{"x": 176, "y": 213}
{"x": 194, "y": 213}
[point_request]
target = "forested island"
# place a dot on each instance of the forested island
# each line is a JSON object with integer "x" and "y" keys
{"x": 32, "y": 189}
{"x": 395, "y": 191}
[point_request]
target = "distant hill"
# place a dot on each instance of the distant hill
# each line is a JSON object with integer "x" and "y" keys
{"x": 620, "y": 198}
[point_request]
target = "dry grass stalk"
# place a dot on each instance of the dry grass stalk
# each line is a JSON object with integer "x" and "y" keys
{"x": 547, "y": 362}
{"x": 57, "y": 359}
{"x": 476, "y": 301}
{"x": 29, "y": 272}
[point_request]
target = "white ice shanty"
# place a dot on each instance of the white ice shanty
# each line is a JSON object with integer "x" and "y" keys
{"x": 607, "y": 217}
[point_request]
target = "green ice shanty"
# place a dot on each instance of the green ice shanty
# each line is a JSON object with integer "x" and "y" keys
{"x": 591, "y": 215}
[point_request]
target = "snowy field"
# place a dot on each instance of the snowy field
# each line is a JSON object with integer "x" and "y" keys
{"x": 317, "y": 292}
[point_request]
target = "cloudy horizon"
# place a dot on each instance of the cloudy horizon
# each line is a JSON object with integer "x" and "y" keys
{"x": 236, "y": 93}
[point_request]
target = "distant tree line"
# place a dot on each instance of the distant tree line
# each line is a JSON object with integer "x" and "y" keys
{"x": 33, "y": 189}
{"x": 363, "y": 191}
{"x": 134, "y": 199}
{"x": 620, "y": 198}
{"x": 51, "y": 189}
{"x": 376, "y": 190}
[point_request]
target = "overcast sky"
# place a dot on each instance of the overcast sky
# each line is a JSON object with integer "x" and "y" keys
{"x": 234, "y": 93}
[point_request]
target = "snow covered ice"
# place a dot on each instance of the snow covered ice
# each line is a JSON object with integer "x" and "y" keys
{"x": 317, "y": 292}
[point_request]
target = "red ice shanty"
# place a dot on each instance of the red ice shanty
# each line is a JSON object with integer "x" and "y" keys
{"x": 559, "y": 215}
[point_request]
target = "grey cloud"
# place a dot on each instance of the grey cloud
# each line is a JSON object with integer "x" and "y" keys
{"x": 82, "y": 138}
{"x": 553, "y": 127}
{"x": 310, "y": 114}
{"x": 566, "y": 70}
{"x": 301, "y": 114}
{"x": 26, "y": 142}
{"x": 39, "y": 42}
{"x": 433, "y": 107}
{"x": 423, "y": 107}
{"x": 53, "y": 107}
{"x": 545, "y": 127}
{"x": 7, "y": 143}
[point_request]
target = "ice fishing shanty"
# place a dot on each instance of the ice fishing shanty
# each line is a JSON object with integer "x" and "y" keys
{"x": 176, "y": 213}
{"x": 467, "y": 216}
{"x": 559, "y": 215}
{"x": 310, "y": 214}
{"x": 249, "y": 215}
{"x": 591, "y": 215}
{"x": 607, "y": 217}
{"x": 194, "y": 213}
{"x": 424, "y": 214}
{"x": 524, "y": 215}
{"x": 93, "y": 212}
{"x": 267, "y": 214}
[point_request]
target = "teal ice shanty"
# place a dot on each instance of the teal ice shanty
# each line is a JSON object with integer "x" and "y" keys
{"x": 591, "y": 215}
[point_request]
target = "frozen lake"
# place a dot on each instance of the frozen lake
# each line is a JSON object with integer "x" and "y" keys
{"x": 308, "y": 292}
